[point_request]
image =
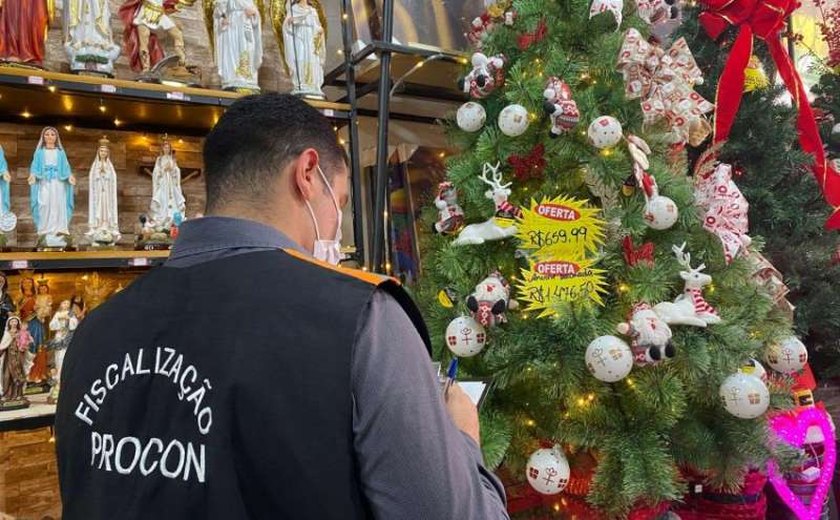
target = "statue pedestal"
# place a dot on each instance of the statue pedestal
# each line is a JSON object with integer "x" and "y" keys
{"x": 52, "y": 241}
{"x": 17, "y": 404}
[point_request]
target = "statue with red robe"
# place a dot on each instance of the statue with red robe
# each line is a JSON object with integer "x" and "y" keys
{"x": 23, "y": 31}
{"x": 144, "y": 20}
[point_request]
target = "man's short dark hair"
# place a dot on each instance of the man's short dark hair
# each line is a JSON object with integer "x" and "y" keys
{"x": 254, "y": 141}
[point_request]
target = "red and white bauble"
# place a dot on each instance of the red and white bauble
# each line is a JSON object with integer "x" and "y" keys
{"x": 660, "y": 212}
{"x": 744, "y": 396}
{"x": 787, "y": 356}
{"x": 513, "y": 120}
{"x": 605, "y": 132}
{"x": 609, "y": 359}
{"x": 471, "y": 116}
{"x": 465, "y": 337}
{"x": 548, "y": 471}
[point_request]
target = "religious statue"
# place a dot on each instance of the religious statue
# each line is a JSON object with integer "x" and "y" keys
{"x": 51, "y": 190}
{"x": 8, "y": 220}
{"x": 237, "y": 38}
{"x": 23, "y": 31}
{"x": 143, "y": 21}
{"x": 88, "y": 40}
{"x": 7, "y": 306}
{"x": 303, "y": 40}
{"x": 103, "y": 215}
{"x": 168, "y": 203}
{"x": 37, "y": 365}
{"x": 63, "y": 324}
{"x": 14, "y": 347}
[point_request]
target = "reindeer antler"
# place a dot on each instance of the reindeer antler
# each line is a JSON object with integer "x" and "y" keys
{"x": 496, "y": 183}
{"x": 684, "y": 259}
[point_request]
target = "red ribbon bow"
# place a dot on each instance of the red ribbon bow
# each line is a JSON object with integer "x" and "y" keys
{"x": 633, "y": 256}
{"x": 765, "y": 19}
{"x": 526, "y": 40}
{"x": 529, "y": 166}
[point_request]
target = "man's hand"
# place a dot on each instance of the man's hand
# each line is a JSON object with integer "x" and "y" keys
{"x": 463, "y": 412}
{"x": 31, "y": 180}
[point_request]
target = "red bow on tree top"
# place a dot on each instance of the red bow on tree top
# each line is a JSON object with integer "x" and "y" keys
{"x": 766, "y": 19}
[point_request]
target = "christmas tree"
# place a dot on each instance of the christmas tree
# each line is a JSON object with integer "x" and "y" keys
{"x": 787, "y": 209}
{"x": 570, "y": 246}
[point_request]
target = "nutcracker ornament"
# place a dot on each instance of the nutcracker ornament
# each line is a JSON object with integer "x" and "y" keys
{"x": 487, "y": 75}
{"x": 560, "y": 106}
{"x": 500, "y": 226}
{"x": 450, "y": 214}
{"x": 650, "y": 335}
{"x": 689, "y": 308}
{"x": 490, "y": 300}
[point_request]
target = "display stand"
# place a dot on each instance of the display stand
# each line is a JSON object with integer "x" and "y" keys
{"x": 408, "y": 63}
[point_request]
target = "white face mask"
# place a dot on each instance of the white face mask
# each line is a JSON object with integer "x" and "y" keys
{"x": 327, "y": 250}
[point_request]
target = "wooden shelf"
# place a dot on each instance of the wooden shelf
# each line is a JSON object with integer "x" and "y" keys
{"x": 44, "y": 97}
{"x": 54, "y": 260}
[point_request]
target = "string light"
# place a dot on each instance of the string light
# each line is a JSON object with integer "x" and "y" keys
{"x": 606, "y": 152}
{"x": 102, "y": 107}
{"x": 68, "y": 128}
{"x": 531, "y": 423}
{"x": 26, "y": 114}
{"x": 623, "y": 288}
{"x": 711, "y": 288}
{"x": 51, "y": 88}
{"x": 117, "y": 122}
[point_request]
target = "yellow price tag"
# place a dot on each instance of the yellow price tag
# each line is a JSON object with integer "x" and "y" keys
{"x": 551, "y": 282}
{"x": 561, "y": 227}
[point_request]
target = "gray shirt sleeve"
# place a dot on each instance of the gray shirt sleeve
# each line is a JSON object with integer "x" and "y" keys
{"x": 414, "y": 462}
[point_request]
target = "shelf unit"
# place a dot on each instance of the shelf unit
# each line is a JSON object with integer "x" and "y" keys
{"x": 421, "y": 71}
{"x": 91, "y": 259}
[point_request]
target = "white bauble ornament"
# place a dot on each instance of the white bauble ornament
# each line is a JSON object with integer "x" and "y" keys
{"x": 744, "y": 396}
{"x": 513, "y": 120}
{"x": 471, "y": 116}
{"x": 609, "y": 359}
{"x": 661, "y": 212}
{"x": 753, "y": 368}
{"x": 788, "y": 356}
{"x": 465, "y": 337}
{"x": 548, "y": 471}
{"x": 605, "y": 132}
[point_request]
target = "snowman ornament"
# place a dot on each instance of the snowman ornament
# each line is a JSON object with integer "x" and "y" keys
{"x": 487, "y": 74}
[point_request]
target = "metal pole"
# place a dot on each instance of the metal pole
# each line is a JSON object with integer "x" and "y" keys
{"x": 378, "y": 239}
{"x": 791, "y": 42}
{"x": 353, "y": 132}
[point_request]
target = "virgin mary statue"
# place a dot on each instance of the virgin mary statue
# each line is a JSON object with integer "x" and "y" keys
{"x": 103, "y": 216}
{"x": 168, "y": 204}
{"x": 304, "y": 46}
{"x": 51, "y": 189}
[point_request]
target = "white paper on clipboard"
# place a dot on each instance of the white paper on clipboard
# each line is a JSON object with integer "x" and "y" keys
{"x": 474, "y": 389}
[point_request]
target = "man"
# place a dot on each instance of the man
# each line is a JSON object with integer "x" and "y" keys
{"x": 245, "y": 379}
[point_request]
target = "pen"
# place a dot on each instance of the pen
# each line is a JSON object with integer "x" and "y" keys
{"x": 450, "y": 376}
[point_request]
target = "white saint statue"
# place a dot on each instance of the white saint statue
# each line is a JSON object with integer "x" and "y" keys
{"x": 88, "y": 39}
{"x": 304, "y": 47}
{"x": 168, "y": 203}
{"x": 63, "y": 324}
{"x": 103, "y": 215}
{"x": 238, "y": 42}
{"x": 51, "y": 184}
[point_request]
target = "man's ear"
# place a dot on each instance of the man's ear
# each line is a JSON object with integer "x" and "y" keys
{"x": 305, "y": 174}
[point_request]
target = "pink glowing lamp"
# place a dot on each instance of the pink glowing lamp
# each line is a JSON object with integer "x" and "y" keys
{"x": 793, "y": 429}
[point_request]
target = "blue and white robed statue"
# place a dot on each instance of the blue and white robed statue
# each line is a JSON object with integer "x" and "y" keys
{"x": 8, "y": 220}
{"x": 51, "y": 184}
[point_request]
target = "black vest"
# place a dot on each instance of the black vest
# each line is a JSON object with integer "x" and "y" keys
{"x": 217, "y": 391}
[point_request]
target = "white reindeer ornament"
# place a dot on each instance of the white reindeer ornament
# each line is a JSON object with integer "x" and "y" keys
{"x": 494, "y": 228}
{"x": 689, "y": 308}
